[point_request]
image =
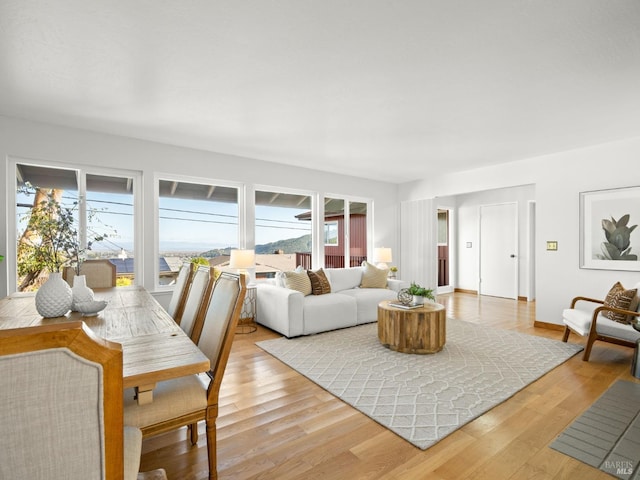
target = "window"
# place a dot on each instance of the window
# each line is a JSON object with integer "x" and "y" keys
{"x": 351, "y": 225}
{"x": 283, "y": 232}
{"x": 101, "y": 207}
{"x": 331, "y": 234}
{"x": 196, "y": 221}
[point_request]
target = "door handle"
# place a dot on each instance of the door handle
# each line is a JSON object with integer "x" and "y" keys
{"x": 513, "y": 255}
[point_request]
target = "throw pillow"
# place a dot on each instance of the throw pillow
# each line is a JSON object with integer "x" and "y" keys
{"x": 623, "y": 299}
{"x": 319, "y": 282}
{"x": 373, "y": 277}
{"x": 297, "y": 281}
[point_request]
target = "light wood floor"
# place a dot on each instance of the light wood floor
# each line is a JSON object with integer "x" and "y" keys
{"x": 276, "y": 424}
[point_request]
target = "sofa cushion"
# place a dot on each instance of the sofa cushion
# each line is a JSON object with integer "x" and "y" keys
{"x": 373, "y": 277}
{"x": 319, "y": 283}
{"x": 297, "y": 281}
{"x": 328, "y": 312}
{"x": 580, "y": 322}
{"x": 344, "y": 278}
{"x": 279, "y": 278}
{"x": 367, "y": 300}
{"x": 619, "y": 297}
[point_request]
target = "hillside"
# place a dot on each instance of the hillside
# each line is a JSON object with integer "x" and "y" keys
{"x": 290, "y": 245}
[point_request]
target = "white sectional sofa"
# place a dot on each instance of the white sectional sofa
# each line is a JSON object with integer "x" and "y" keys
{"x": 292, "y": 313}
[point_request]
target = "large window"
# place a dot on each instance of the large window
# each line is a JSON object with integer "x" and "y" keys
{"x": 196, "y": 222}
{"x": 100, "y": 212}
{"x": 283, "y": 231}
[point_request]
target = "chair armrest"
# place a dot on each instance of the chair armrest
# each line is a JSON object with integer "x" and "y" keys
{"x": 280, "y": 309}
{"x": 585, "y": 299}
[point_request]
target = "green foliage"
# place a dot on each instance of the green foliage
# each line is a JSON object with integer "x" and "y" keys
{"x": 200, "y": 261}
{"x": 415, "y": 289}
{"x": 54, "y": 242}
{"x": 618, "y": 235}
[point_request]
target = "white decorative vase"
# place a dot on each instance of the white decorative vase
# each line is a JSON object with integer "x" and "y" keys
{"x": 81, "y": 293}
{"x": 418, "y": 300}
{"x": 54, "y": 297}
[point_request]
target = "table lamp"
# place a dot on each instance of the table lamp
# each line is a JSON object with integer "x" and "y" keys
{"x": 243, "y": 261}
{"x": 381, "y": 256}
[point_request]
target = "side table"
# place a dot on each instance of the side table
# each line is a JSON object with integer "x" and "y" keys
{"x": 247, "y": 320}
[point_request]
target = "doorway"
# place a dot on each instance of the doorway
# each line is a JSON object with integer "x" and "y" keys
{"x": 445, "y": 252}
{"x": 499, "y": 250}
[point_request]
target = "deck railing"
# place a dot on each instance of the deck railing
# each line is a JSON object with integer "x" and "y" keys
{"x": 330, "y": 261}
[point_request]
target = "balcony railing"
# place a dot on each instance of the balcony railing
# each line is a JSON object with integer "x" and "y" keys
{"x": 330, "y": 261}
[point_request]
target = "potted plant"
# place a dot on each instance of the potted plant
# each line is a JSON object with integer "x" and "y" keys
{"x": 393, "y": 271}
{"x": 420, "y": 293}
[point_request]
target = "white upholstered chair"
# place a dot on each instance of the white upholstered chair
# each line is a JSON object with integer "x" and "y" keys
{"x": 586, "y": 317}
{"x": 98, "y": 273}
{"x": 196, "y": 302}
{"x": 180, "y": 291}
{"x": 188, "y": 400}
{"x": 60, "y": 408}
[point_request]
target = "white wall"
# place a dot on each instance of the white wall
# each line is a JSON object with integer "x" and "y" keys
{"x": 558, "y": 180}
{"x": 39, "y": 141}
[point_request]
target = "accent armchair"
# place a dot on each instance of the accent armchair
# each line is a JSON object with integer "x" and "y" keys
{"x": 604, "y": 320}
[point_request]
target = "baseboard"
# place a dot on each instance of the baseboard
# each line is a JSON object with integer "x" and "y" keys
{"x": 475, "y": 292}
{"x": 462, "y": 290}
{"x": 547, "y": 325}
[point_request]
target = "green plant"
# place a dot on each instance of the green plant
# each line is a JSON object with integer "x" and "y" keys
{"x": 393, "y": 269}
{"x": 51, "y": 241}
{"x": 200, "y": 261}
{"x": 417, "y": 290}
{"x": 618, "y": 235}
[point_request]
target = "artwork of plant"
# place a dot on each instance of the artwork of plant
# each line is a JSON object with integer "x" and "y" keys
{"x": 618, "y": 235}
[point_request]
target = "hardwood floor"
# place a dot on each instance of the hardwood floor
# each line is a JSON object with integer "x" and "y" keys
{"x": 276, "y": 424}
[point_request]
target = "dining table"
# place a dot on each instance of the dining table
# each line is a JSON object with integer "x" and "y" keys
{"x": 154, "y": 347}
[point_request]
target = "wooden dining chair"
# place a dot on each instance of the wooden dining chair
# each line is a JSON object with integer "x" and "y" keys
{"x": 98, "y": 273}
{"x": 180, "y": 291}
{"x": 60, "y": 414}
{"x": 196, "y": 303}
{"x": 187, "y": 400}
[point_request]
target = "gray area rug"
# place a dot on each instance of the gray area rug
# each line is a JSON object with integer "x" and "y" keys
{"x": 422, "y": 398}
{"x": 607, "y": 435}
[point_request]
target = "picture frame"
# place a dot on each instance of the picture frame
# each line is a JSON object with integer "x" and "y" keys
{"x": 609, "y": 233}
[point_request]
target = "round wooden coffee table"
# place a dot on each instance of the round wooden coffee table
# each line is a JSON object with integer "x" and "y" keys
{"x": 417, "y": 330}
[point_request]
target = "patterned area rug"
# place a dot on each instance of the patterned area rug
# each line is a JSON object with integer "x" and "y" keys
{"x": 422, "y": 398}
{"x": 607, "y": 435}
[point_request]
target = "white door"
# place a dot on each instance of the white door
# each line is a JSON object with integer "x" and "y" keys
{"x": 498, "y": 250}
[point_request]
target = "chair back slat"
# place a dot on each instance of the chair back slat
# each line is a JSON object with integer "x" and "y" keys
{"x": 60, "y": 414}
{"x": 181, "y": 290}
{"x": 195, "y": 304}
{"x": 220, "y": 322}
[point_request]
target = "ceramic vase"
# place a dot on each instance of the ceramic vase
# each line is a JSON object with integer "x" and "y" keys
{"x": 418, "y": 300}
{"x": 81, "y": 293}
{"x": 54, "y": 297}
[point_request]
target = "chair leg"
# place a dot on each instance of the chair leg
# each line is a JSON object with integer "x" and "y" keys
{"x": 565, "y": 336}
{"x": 212, "y": 415}
{"x": 193, "y": 433}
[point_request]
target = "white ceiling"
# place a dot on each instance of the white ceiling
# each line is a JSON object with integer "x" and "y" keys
{"x": 388, "y": 90}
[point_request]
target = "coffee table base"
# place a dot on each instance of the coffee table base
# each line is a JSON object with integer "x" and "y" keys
{"x": 421, "y": 330}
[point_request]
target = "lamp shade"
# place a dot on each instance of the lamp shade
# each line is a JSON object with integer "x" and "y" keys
{"x": 382, "y": 255}
{"x": 242, "y": 259}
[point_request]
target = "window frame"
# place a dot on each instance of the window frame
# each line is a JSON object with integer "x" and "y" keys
{"x": 81, "y": 171}
{"x": 172, "y": 177}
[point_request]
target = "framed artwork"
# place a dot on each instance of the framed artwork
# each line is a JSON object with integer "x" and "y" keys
{"x": 609, "y": 237}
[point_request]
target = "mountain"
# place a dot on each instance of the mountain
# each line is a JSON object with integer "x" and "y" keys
{"x": 290, "y": 245}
